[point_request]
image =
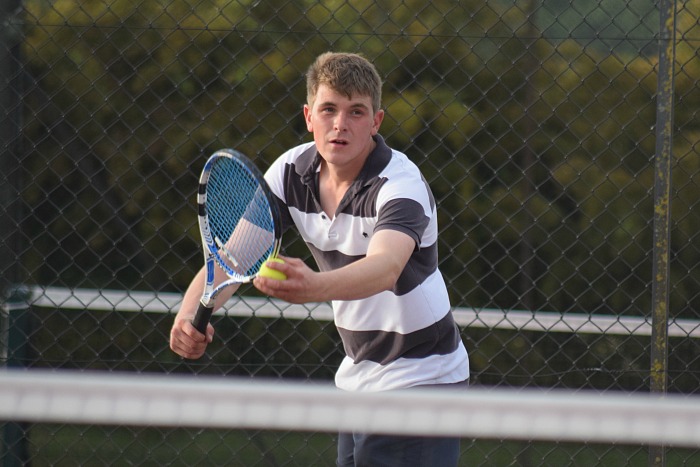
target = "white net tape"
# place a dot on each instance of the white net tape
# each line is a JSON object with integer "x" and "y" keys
{"x": 104, "y": 398}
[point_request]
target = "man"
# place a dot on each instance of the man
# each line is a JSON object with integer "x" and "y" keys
{"x": 370, "y": 221}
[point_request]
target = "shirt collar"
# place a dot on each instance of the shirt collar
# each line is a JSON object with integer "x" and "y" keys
{"x": 308, "y": 162}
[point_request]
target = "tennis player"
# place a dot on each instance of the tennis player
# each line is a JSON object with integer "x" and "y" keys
{"x": 369, "y": 219}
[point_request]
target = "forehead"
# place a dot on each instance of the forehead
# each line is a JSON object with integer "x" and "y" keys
{"x": 327, "y": 95}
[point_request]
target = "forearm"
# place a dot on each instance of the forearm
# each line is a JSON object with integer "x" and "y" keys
{"x": 361, "y": 279}
{"x": 193, "y": 294}
{"x": 378, "y": 271}
{"x": 386, "y": 258}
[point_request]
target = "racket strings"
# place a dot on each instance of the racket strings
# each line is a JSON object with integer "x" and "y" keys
{"x": 240, "y": 218}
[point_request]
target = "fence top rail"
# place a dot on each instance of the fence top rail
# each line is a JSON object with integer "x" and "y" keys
{"x": 261, "y": 307}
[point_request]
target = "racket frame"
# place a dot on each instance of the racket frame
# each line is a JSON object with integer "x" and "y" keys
{"x": 211, "y": 246}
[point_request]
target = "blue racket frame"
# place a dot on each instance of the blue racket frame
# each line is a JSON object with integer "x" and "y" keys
{"x": 219, "y": 210}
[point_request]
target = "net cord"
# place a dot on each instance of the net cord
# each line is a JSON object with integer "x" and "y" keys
{"x": 216, "y": 402}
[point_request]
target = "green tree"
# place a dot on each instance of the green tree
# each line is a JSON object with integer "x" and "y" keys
{"x": 538, "y": 146}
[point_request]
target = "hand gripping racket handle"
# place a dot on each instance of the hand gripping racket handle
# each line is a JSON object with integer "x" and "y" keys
{"x": 201, "y": 318}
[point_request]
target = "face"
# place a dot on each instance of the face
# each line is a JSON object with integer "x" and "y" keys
{"x": 342, "y": 127}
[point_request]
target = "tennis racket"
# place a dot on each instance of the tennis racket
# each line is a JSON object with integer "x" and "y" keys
{"x": 239, "y": 222}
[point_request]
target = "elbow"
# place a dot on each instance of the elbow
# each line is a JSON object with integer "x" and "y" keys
{"x": 391, "y": 279}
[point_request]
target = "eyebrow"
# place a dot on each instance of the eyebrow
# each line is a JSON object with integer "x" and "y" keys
{"x": 354, "y": 105}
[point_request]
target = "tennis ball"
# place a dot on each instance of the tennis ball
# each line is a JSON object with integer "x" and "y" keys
{"x": 272, "y": 273}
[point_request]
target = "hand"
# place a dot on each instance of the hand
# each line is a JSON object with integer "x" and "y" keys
{"x": 300, "y": 286}
{"x": 186, "y": 341}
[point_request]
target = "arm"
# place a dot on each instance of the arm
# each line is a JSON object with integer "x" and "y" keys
{"x": 387, "y": 255}
{"x": 185, "y": 340}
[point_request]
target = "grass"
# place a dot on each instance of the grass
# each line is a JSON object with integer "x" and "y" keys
{"x": 71, "y": 445}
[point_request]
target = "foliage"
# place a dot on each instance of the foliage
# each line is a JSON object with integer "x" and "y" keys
{"x": 539, "y": 151}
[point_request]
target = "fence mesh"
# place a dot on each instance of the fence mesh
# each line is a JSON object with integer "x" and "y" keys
{"x": 534, "y": 123}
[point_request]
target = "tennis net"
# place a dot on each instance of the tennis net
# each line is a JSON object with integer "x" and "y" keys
{"x": 150, "y": 401}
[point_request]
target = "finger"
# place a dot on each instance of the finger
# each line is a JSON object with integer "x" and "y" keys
{"x": 190, "y": 331}
{"x": 267, "y": 286}
{"x": 186, "y": 344}
{"x": 188, "y": 350}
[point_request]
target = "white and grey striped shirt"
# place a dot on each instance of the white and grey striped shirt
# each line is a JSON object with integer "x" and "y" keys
{"x": 400, "y": 338}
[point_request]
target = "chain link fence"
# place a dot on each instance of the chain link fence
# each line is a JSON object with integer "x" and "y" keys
{"x": 535, "y": 123}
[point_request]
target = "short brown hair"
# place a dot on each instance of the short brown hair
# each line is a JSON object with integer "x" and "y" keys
{"x": 346, "y": 73}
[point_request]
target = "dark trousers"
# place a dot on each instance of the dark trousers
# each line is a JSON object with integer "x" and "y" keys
{"x": 374, "y": 450}
{"x": 363, "y": 450}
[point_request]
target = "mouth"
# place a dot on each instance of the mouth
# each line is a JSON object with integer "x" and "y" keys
{"x": 339, "y": 142}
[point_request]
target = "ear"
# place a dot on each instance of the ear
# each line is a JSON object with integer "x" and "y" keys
{"x": 378, "y": 118}
{"x": 307, "y": 117}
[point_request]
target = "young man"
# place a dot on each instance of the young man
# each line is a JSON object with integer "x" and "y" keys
{"x": 369, "y": 219}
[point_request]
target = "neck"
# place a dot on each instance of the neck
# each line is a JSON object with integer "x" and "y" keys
{"x": 346, "y": 174}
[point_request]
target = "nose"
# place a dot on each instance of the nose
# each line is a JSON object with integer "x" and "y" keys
{"x": 340, "y": 122}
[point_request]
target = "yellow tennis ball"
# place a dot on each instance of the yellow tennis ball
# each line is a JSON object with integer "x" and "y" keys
{"x": 272, "y": 273}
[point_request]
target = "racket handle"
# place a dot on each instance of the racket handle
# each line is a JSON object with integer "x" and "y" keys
{"x": 201, "y": 318}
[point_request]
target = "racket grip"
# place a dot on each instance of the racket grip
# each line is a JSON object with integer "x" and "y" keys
{"x": 201, "y": 318}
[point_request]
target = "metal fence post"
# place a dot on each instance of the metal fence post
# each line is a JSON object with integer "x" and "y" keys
{"x": 10, "y": 131}
{"x": 662, "y": 209}
{"x": 14, "y": 301}
{"x": 15, "y": 327}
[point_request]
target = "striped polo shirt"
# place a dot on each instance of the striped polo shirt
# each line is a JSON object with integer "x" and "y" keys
{"x": 398, "y": 338}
